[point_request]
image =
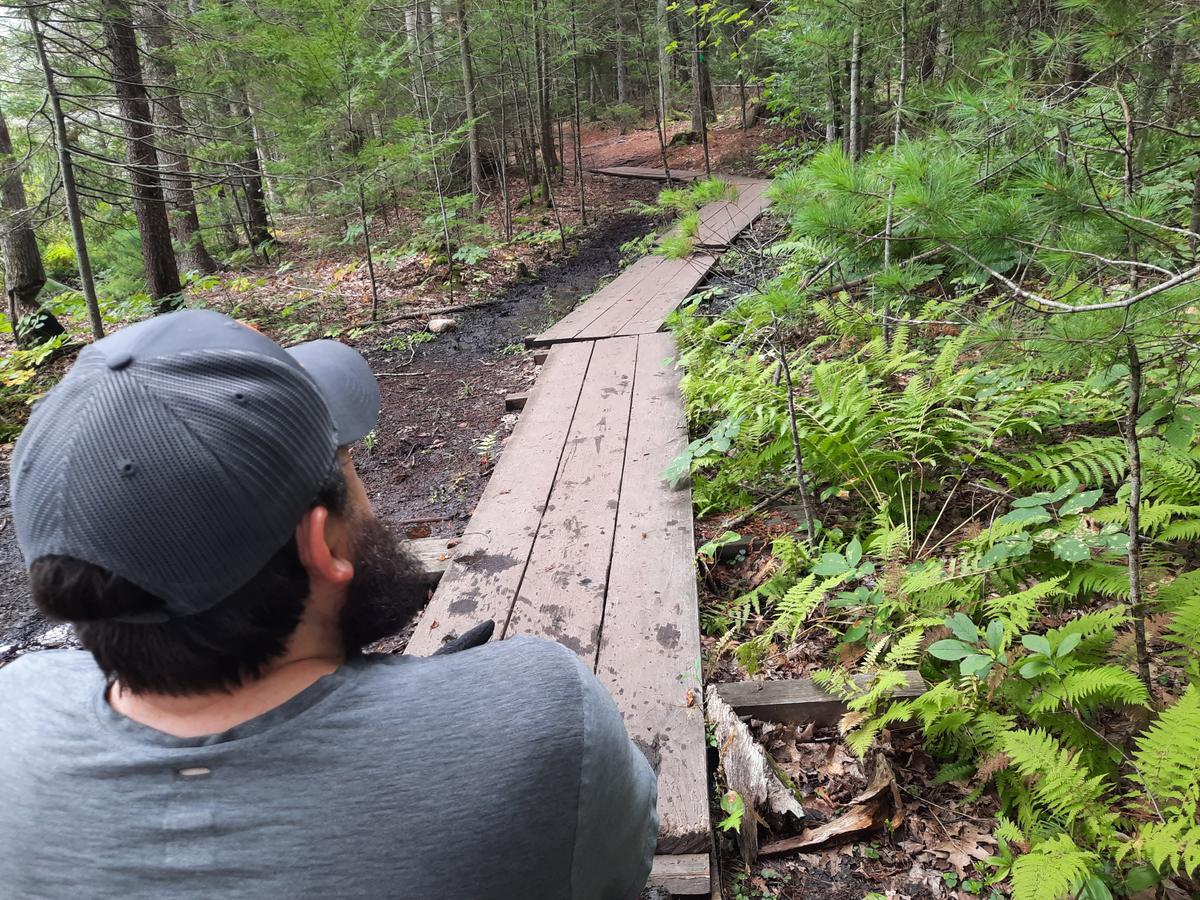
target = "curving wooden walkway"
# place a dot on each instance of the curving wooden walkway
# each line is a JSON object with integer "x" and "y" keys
{"x": 578, "y": 539}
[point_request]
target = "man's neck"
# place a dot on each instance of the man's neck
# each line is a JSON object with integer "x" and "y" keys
{"x": 314, "y": 650}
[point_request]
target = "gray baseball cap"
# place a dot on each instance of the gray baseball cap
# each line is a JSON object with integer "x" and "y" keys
{"x": 181, "y": 452}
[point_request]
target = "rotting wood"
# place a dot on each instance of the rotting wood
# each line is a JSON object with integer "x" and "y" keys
{"x": 750, "y": 772}
{"x": 797, "y": 701}
{"x": 685, "y": 874}
{"x": 514, "y": 402}
{"x": 649, "y": 655}
{"x": 880, "y": 804}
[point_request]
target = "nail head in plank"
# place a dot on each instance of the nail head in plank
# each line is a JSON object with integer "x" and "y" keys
{"x": 650, "y": 646}
{"x": 562, "y": 594}
{"x": 798, "y": 701}
{"x": 685, "y": 874}
{"x": 483, "y": 578}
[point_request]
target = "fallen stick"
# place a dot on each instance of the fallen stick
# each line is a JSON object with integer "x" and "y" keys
{"x": 400, "y": 374}
{"x": 431, "y": 313}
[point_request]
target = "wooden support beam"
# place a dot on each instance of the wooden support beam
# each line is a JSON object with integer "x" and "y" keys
{"x": 798, "y": 701}
{"x": 433, "y": 555}
{"x": 539, "y": 356}
{"x": 687, "y": 874}
{"x": 514, "y": 402}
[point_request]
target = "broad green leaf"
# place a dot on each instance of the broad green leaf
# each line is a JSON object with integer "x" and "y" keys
{"x": 1035, "y": 667}
{"x": 1069, "y": 643}
{"x": 963, "y": 628}
{"x": 1079, "y": 502}
{"x": 1071, "y": 549}
{"x": 995, "y": 635}
{"x": 1036, "y": 643}
{"x": 1025, "y": 516}
{"x": 853, "y": 552}
{"x": 831, "y": 565}
{"x": 950, "y": 649}
{"x": 976, "y": 664}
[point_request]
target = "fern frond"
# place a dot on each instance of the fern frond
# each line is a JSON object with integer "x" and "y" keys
{"x": 1088, "y": 688}
{"x": 1168, "y": 753}
{"x": 1061, "y": 786}
{"x": 1052, "y": 870}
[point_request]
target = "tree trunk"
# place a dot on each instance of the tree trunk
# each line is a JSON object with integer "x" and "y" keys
{"x": 852, "y": 121}
{"x": 168, "y": 114}
{"x": 663, "y": 24}
{"x": 74, "y": 215}
{"x": 250, "y": 174}
{"x": 468, "y": 77}
{"x": 619, "y": 53}
{"x": 942, "y": 51}
{"x": 542, "y": 87}
{"x": 24, "y": 274}
{"x": 158, "y": 257}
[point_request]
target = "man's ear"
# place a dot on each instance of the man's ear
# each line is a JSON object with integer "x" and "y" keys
{"x": 320, "y": 542}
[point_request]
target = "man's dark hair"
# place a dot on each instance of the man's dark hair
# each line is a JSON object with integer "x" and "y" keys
{"x": 217, "y": 649}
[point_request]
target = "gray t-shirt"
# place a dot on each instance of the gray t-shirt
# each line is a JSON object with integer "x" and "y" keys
{"x": 499, "y": 772}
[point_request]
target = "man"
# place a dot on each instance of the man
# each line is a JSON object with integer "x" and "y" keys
{"x": 185, "y": 498}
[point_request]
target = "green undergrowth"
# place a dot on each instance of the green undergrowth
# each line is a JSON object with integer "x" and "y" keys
{"x": 969, "y": 479}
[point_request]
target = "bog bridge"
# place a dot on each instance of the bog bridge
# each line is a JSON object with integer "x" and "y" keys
{"x": 577, "y": 538}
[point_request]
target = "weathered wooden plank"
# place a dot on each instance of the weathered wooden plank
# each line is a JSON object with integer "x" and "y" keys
{"x": 648, "y": 173}
{"x": 797, "y": 701}
{"x": 594, "y": 306}
{"x": 669, "y": 279}
{"x": 539, "y": 356}
{"x": 691, "y": 272}
{"x": 686, "y": 874}
{"x": 650, "y": 646}
{"x": 562, "y": 594}
{"x": 514, "y": 402}
{"x": 487, "y": 569}
{"x": 721, "y": 223}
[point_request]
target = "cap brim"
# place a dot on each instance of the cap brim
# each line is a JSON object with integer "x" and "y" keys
{"x": 346, "y": 382}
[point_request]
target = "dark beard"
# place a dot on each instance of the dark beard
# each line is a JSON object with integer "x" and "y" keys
{"x": 386, "y": 592}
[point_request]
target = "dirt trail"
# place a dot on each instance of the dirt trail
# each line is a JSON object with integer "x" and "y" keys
{"x": 433, "y": 449}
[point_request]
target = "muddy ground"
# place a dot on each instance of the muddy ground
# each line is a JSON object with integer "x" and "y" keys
{"x": 443, "y": 421}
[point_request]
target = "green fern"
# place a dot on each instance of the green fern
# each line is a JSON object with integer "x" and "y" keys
{"x": 1061, "y": 785}
{"x": 1052, "y": 870}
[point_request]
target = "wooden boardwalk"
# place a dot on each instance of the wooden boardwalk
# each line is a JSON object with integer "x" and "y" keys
{"x": 578, "y": 539}
{"x": 639, "y": 300}
{"x": 645, "y": 173}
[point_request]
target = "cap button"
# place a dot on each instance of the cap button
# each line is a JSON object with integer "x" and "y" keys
{"x": 119, "y": 360}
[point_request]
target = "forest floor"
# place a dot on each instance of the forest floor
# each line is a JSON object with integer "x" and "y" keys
{"x": 443, "y": 420}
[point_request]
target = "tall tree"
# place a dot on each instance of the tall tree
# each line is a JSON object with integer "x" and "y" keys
{"x": 172, "y": 128}
{"x": 24, "y": 274}
{"x": 468, "y": 77}
{"x": 158, "y": 257}
{"x": 66, "y": 168}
